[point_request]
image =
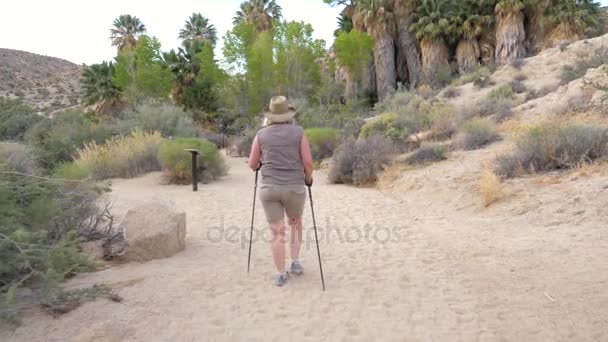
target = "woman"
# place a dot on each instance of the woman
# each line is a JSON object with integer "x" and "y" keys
{"x": 282, "y": 150}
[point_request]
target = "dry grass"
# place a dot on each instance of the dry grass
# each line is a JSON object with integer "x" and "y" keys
{"x": 490, "y": 188}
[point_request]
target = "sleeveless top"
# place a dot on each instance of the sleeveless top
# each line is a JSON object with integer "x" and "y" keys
{"x": 281, "y": 158}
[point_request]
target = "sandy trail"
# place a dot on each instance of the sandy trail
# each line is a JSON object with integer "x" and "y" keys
{"x": 395, "y": 270}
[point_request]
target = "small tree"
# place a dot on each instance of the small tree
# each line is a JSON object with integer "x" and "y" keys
{"x": 353, "y": 52}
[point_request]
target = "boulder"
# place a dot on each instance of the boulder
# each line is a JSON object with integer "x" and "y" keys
{"x": 153, "y": 231}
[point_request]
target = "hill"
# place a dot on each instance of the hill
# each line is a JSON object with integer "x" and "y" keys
{"x": 47, "y": 83}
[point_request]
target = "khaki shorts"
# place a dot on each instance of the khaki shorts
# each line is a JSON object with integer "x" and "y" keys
{"x": 279, "y": 201}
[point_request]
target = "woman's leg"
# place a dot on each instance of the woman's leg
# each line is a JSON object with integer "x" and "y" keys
{"x": 278, "y": 245}
{"x": 296, "y": 237}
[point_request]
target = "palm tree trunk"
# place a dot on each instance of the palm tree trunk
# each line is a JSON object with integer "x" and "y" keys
{"x": 487, "y": 46}
{"x": 535, "y": 27}
{"x": 409, "y": 66}
{"x": 467, "y": 55}
{"x": 384, "y": 58}
{"x": 435, "y": 54}
{"x": 510, "y": 36}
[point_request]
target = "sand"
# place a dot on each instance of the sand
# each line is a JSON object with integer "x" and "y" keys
{"x": 418, "y": 261}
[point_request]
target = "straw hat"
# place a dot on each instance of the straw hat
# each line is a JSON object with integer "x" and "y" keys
{"x": 279, "y": 110}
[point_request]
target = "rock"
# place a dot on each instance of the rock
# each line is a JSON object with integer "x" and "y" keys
{"x": 153, "y": 231}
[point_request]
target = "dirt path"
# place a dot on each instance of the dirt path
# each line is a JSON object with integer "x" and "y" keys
{"x": 391, "y": 275}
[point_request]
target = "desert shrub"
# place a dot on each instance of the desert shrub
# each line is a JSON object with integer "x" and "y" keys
{"x": 387, "y": 125}
{"x": 563, "y": 46}
{"x": 427, "y": 153}
{"x": 500, "y": 108}
{"x": 41, "y": 223}
{"x": 518, "y": 63}
{"x": 534, "y": 94}
{"x": 437, "y": 78}
{"x": 121, "y": 156}
{"x": 577, "y": 70}
{"x": 554, "y": 147}
{"x": 220, "y": 140}
{"x": 323, "y": 142}
{"x": 474, "y": 76}
{"x": 504, "y": 92}
{"x": 177, "y": 163}
{"x": 577, "y": 102}
{"x": 17, "y": 157}
{"x": 16, "y": 119}
{"x": 243, "y": 144}
{"x": 392, "y": 103}
{"x": 520, "y": 77}
{"x": 55, "y": 141}
{"x": 518, "y": 87}
{"x": 168, "y": 119}
{"x": 451, "y": 92}
{"x": 347, "y": 118}
{"x": 359, "y": 162}
{"x": 475, "y": 134}
{"x": 490, "y": 188}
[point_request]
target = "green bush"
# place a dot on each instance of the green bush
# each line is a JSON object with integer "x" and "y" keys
{"x": 554, "y": 147}
{"x": 323, "y": 141}
{"x": 176, "y": 162}
{"x": 41, "y": 223}
{"x": 169, "y": 120}
{"x": 17, "y": 157}
{"x": 348, "y": 119}
{"x": 476, "y": 133}
{"x": 386, "y": 125}
{"x": 16, "y": 119}
{"x": 427, "y": 153}
{"x": 503, "y": 92}
{"x": 359, "y": 162}
{"x": 55, "y": 141}
{"x": 121, "y": 156}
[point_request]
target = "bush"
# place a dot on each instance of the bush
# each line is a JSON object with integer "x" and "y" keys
{"x": 346, "y": 118}
{"x": 243, "y": 145}
{"x": 16, "y": 119}
{"x": 55, "y": 141}
{"x": 520, "y": 77}
{"x": 386, "y": 125}
{"x": 451, "y": 92}
{"x": 499, "y": 109}
{"x": 554, "y": 147}
{"x": 323, "y": 142}
{"x": 41, "y": 223}
{"x": 504, "y": 92}
{"x": 518, "y": 87}
{"x": 176, "y": 162}
{"x": 437, "y": 78}
{"x": 428, "y": 152}
{"x": 474, "y": 76}
{"x": 359, "y": 162}
{"x": 476, "y": 133}
{"x": 169, "y": 120}
{"x": 121, "y": 156}
{"x": 575, "y": 71}
{"x": 518, "y": 63}
{"x": 17, "y": 157}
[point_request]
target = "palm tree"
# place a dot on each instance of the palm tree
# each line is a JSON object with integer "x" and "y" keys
{"x": 380, "y": 22}
{"x": 98, "y": 88}
{"x": 345, "y": 24}
{"x": 510, "y": 33}
{"x": 259, "y": 13}
{"x": 408, "y": 55}
{"x": 570, "y": 19}
{"x": 184, "y": 66}
{"x": 434, "y": 23}
{"x": 535, "y": 24}
{"x": 197, "y": 27}
{"x": 126, "y": 30}
{"x": 474, "y": 17}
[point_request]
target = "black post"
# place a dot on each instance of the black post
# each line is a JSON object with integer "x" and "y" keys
{"x": 194, "y": 154}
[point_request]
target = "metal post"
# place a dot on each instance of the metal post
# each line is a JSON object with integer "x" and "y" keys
{"x": 194, "y": 154}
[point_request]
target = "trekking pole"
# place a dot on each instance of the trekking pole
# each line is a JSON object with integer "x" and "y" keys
{"x": 255, "y": 189}
{"x": 314, "y": 223}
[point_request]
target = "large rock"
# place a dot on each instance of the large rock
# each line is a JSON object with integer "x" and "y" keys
{"x": 153, "y": 231}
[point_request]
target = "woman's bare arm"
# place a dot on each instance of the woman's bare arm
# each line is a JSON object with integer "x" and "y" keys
{"x": 256, "y": 155}
{"x": 306, "y": 158}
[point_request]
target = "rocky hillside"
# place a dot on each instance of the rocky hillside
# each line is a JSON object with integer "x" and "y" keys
{"x": 46, "y": 83}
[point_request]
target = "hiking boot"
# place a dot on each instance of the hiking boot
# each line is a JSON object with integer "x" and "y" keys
{"x": 296, "y": 268}
{"x": 281, "y": 279}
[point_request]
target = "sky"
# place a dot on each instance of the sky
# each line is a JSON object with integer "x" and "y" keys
{"x": 79, "y": 30}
